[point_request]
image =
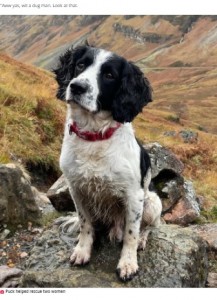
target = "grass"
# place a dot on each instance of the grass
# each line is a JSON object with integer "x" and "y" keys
{"x": 31, "y": 119}
{"x": 210, "y": 215}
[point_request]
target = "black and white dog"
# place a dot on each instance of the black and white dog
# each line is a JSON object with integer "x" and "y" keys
{"x": 107, "y": 170}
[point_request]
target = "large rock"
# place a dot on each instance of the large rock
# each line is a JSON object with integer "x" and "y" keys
{"x": 59, "y": 195}
{"x": 9, "y": 277}
{"x": 208, "y": 232}
{"x": 186, "y": 209}
{"x": 174, "y": 257}
{"x": 179, "y": 200}
{"x": 17, "y": 201}
{"x": 163, "y": 159}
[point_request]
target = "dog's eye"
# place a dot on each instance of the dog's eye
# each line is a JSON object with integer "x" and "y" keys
{"x": 80, "y": 67}
{"x": 109, "y": 75}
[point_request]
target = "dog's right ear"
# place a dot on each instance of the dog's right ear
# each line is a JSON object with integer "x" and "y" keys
{"x": 66, "y": 68}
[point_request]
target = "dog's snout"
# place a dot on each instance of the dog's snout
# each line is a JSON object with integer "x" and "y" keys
{"x": 78, "y": 88}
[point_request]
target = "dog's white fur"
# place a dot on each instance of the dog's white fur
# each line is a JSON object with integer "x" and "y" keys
{"x": 89, "y": 78}
{"x": 104, "y": 178}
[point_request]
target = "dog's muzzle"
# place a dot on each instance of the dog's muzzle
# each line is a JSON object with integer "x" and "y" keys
{"x": 78, "y": 88}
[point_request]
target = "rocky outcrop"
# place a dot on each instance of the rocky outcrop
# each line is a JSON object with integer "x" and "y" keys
{"x": 208, "y": 232}
{"x": 17, "y": 201}
{"x": 9, "y": 277}
{"x": 20, "y": 202}
{"x": 141, "y": 37}
{"x": 163, "y": 159}
{"x": 179, "y": 200}
{"x": 59, "y": 195}
{"x": 174, "y": 257}
{"x": 188, "y": 136}
{"x": 186, "y": 209}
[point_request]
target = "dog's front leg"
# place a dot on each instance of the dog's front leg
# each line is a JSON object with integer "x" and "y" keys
{"x": 128, "y": 266}
{"x": 82, "y": 252}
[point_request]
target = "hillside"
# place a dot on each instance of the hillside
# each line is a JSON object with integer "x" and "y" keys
{"x": 31, "y": 119}
{"x": 177, "y": 53}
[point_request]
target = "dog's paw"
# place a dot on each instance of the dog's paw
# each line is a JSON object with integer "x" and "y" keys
{"x": 80, "y": 256}
{"x": 127, "y": 270}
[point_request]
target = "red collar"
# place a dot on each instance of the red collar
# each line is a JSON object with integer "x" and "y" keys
{"x": 92, "y": 136}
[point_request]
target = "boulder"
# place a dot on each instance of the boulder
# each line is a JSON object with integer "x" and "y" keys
{"x": 163, "y": 159}
{"x": 17, "y": 201}
{"x": 179, "y": 200}
{"x": 42, "y": 201}
{"x": 9, "y": 277}
{"x": 60, "y": 197}
{"x": 174, "y": 257}
{"x": 188, "y": 136}
{"x": 186, "y": 209}
{"x": 208, "y": 232}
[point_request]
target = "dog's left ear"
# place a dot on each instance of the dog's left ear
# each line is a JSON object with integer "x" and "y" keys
{"x": 135, "y": 92}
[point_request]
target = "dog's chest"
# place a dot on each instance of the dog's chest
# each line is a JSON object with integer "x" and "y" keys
{"x": 103, "y": 198}
{"x": 102, "y": 194}
{"x": 95, "y": 174}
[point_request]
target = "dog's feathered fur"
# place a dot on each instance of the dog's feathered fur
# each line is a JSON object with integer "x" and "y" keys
{"x": 108, "y": 179}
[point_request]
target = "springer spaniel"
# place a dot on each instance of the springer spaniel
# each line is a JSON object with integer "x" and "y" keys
{"x": 107, "y": 170}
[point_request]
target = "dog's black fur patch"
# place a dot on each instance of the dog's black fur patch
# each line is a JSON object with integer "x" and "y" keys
{"x": 145, "y": 163}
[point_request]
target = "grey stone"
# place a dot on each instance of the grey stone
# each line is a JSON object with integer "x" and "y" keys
{"x": 163, "y": 159}
{"x": 188, "y": 136}
{"x": 169, "y": 188}
{"x": 42, "y": 201}
{"x": 187, "y": 209}
{"x": 179, "y": 200}
{"x": 4, "y": 234}
{"x": 174, "y": 257}
{"x": 170, "y": 133}
{"x": 60, "y": 197}
{"x": 17, "y": 202}
{"x": 9, "y": 277}
{"x": 208, "y": 232}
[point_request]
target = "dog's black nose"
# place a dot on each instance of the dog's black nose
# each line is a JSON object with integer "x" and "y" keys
{"x": 78, "y": 88}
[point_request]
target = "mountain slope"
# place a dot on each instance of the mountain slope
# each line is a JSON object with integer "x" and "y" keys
{"x": 31, "y": 119}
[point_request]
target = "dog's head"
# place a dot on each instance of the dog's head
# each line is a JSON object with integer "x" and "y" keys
{"x": 100, "y": 80}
